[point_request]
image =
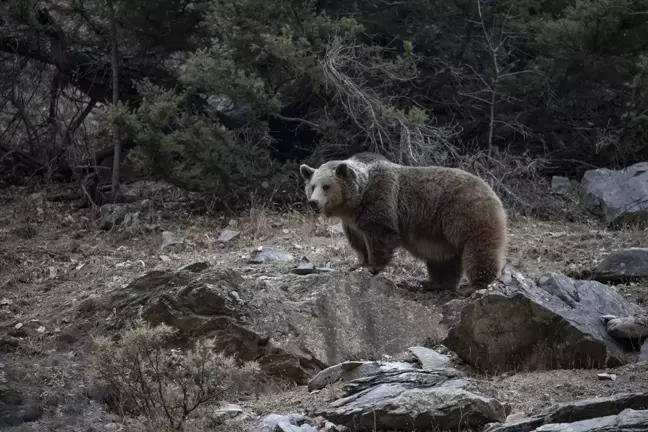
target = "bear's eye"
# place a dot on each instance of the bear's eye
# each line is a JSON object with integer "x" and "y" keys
{"x": 326, "y": 187}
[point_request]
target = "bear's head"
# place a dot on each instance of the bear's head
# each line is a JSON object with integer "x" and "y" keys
{"x": 335, "y": 187}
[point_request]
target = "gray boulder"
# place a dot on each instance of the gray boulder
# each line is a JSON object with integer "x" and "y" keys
{"x": 622, "y": 266}
{"x": 415, "y": 399}
{"x": 293, "y": 325}
{"x": 627, "y": 327}
{"x": 617, "y": 196}
{"x": 580, "y": 413}
{"x": 551, "y": 322}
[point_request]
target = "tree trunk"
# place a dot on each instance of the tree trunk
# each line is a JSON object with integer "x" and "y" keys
{"x": 114, "y": 190}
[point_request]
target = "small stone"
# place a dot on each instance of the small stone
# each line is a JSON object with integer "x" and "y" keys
{"x": 227, "y": 235}
{"x": 167, "y": 239}
{"x": 5, "y": 302}
{"x": 515, "y": 416}
{"x": 607, "y": 376}
{"x": 429, "y": 359}
{"x": 305, "y": 267}
{"x": 561, "y": 185}
{"x": 269, "y": 254}
{"x": 236, "y": 297}
{"x": 336, "y": 229}
{"x": 196, "y": 267}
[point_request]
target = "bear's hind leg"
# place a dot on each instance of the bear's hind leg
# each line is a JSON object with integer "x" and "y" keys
{"x": 357, "y": 242}
{"x": 483, "y": 264}
{"x": 444, "y": 275}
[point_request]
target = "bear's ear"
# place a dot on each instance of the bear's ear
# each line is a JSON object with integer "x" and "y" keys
{"x": 344, "y": 171}
{"x": 306, "y": 171}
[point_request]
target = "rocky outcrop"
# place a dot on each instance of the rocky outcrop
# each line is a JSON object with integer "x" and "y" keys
{"x": 626, "y": 421}
{"x": 617, "y": 196}
{"x": 293, "y": 325}
{"x": 623, "y": 266}
{"x": 414, "y": 399}
{"x": 551, "y": 322}
{"x": 612, "y": 413}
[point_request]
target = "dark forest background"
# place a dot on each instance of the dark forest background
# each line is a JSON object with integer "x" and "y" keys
{"x": 227, "y": 97}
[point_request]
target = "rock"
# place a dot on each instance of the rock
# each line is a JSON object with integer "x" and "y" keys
{"x": 607, "y": 376}
{"x": 626, "y": 421}
{"x": 350, "y": 370}
{"x": 167, "y": 239}
{"x": 227, "y": 235}
{"x": 627, "y": 327}
{"x": 430, "y": 359}
{"x": 623, "y": 266}
{"x": 268, "y": 254}
{"x": 305, "y": 267}
{"x": 577, "y": 411}
{"x": 553, "y": 322}
{"x": 286, "y": 423}
{"x": 15, "y": 415}
{"x": 617, "y": 196}
{"x": 228, "y": 412}
{"x": 561, "y": 186}
{"x": 294, "y": 326}
{"x": 451, "y": 311}
{"x": 196, "y": 267}
{"x": 419, "y": 399}
{"x": 324, "y": 425}
{"x": 336, "y": 229}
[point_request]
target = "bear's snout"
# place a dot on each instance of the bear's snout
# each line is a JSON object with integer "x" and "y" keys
{"x": 314, "y": 205}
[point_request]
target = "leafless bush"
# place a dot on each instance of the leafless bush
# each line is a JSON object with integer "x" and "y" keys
{"x": 361, "y": 85}
{"x": 166, "y": 386}
{"x": 518, "y": 182}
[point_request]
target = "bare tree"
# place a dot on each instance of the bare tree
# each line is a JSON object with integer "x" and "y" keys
{"x": 497, "y": 36}
{"x": 114, "y": 190}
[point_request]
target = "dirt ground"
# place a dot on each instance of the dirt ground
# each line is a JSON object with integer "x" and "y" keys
{"x": 52, "y": 257}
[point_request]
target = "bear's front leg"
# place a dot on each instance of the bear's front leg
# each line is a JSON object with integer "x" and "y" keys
{"x": 380, "y": 251}
{"x": 357, "y": 241}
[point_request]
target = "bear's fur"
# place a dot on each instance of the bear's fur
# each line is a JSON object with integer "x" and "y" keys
{"x": 447, "y": 217}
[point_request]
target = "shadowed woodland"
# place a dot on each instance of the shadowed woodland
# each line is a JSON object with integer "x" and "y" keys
{"x": 224, "y": 97}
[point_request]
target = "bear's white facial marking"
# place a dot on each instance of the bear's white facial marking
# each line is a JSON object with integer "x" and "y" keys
{"x": 324, "y": 191}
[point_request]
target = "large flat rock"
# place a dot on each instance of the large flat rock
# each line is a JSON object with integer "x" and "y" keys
{"x": 293, "y": 325}
{"x": 415, "y": 399}
{"x": 551, "y": 322}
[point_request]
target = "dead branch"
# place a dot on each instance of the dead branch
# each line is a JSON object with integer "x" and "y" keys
{"x": 388, "y": 130}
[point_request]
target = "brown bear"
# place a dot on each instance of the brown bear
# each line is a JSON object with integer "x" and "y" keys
{"x": 447, "y": 217}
